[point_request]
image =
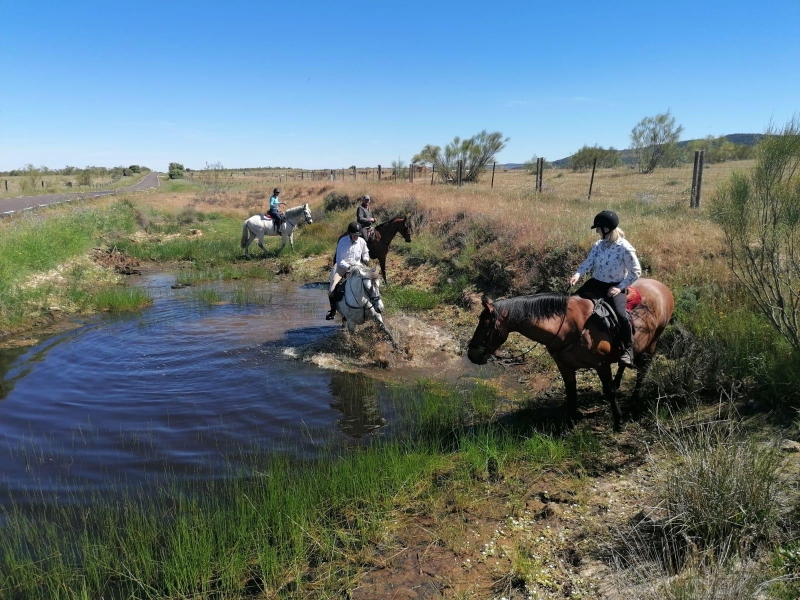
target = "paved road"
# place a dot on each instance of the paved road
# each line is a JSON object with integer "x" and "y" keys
{"x": 8, "y": 206}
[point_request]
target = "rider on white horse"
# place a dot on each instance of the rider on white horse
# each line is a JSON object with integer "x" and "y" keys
{"x": 274, "y": 203}
{"x": 350, "y": 250}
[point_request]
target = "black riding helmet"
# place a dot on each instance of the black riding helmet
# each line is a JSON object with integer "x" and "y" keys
{"x": 276, "y": 191}
{"x": 606, "y": 219}
{"x": 354, "y": 227}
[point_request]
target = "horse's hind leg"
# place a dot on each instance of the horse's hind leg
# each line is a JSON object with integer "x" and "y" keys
{"x": 642, "y": 364}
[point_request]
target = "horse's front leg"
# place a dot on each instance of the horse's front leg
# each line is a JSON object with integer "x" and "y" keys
{"x": 291, "y": 240}
{"x": 570, "y": 389}
{"x": 383, "y": 328}
{"x": 261, "y": 244}
{"x": 382, "y": 261}
{"x": 283, "y": 241}
{"x": 604, "y": 372}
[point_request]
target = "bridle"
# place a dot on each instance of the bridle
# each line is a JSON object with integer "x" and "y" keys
{"x": 372, "y": 299}
{"x": 306, "y": 214}
{"x": 484, "y": 345}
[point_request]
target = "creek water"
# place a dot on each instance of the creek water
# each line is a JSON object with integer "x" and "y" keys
{"x": 178, "y": 390}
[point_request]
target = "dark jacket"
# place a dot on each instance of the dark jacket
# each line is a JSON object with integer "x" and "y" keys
{"x": 364, "y": 216}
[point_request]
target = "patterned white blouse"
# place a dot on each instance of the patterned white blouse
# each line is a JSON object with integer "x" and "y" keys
{"x": 612, "y": 263}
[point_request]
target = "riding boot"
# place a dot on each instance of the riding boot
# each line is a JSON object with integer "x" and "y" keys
{"x": 332, "y": 313}
{"x": 626, "y": 338}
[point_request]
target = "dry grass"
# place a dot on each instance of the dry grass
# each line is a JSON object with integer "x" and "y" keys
{"x": 675, "y": 242}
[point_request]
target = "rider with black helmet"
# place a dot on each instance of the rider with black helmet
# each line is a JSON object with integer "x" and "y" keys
{"x": 350, "y": 250}
{"x": 273, "y": 212}
{"x": 614, "y": 266}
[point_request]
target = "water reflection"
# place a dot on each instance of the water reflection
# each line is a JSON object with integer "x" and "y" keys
{"x": 357, "y": 400}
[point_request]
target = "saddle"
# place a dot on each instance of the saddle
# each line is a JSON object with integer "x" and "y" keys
{"x": 605, "y": 315}
{"x": 268, "y": 217}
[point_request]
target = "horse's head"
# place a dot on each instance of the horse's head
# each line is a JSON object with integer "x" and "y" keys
{"x": 405, "y": 230}
{"x": 489, "y": 335}
{"x": 307, "y": 213}
{"x": 370, "y": 284}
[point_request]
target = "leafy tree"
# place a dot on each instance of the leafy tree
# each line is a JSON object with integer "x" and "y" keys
{"x": 759, "y": 213}
{"x": 135, "y": 169}
{"x": 30, "y": 178}
{"x": 584, "y": 158}
{"x": 720, "y": 149}
{"x": 175, "y": 170}
{"x": 476, "y": 153}
{"x": 654, "y": 141}
{"x": 84, "y": 176}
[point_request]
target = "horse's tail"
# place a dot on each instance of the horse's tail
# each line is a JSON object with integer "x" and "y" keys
{"x": 245, "y": 234}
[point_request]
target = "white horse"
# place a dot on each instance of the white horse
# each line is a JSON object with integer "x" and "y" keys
{"x": 257, "y": 227}
{"x": 362, "y": 299}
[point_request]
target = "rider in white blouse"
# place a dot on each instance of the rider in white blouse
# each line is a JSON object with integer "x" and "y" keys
{"x": 614, "y": 266}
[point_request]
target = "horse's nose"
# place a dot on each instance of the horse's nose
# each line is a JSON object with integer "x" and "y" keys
{"x": 476, "y": 356}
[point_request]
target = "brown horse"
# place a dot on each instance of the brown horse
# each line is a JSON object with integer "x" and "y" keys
{"x": 378, "y": 246}
{"x": 562, "y": 324}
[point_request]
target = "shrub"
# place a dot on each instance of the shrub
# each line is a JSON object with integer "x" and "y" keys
{"x": 334, "y": 201}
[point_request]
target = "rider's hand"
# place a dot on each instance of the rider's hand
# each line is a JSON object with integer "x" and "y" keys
{"x": 574, "y": 279}
{"x": 613, "y": 292}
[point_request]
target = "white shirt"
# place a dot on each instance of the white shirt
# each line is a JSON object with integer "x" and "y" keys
{"x": 612, "y": 263}
{"x": 349, "y": 253}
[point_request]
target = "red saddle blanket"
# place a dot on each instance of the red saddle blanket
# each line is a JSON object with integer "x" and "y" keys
{"x": 634, "y": 298}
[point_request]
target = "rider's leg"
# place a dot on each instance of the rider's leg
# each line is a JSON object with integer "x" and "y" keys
{"x": 625, "y": 331}
{"x": 336, "y": 276}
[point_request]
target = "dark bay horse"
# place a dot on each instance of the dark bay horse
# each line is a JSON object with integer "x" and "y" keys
{"x": 560, "y": 323}
{"x": 378, "y": 246}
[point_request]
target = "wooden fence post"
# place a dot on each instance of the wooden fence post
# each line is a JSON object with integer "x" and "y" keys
{"x": 380, "y": 173}
{"x": 460, "y": 166}
{"x": 6, "y": 184}
{"x": 493, "y": 166}
{"x": 433, "y": 170}
{"x": 411, "y": 173}
{"x": 591, "y": 181}
{"x": 698, "y": 192}
{"x": 694, "y": 178}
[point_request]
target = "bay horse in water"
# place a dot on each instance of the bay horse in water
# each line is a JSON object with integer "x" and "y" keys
{"x": 562, "y": 324}
{"x": 383, "y": 235}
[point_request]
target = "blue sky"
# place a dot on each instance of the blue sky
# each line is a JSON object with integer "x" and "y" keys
{"x": 332, "y": 84}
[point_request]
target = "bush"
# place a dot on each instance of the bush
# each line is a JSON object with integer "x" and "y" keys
{"x": 334, "y": 202}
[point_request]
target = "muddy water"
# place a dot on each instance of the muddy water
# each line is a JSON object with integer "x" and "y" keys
{"x": 185, "y": 387}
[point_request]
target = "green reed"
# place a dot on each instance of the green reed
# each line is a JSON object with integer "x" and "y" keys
{"x": 268, "y": 527}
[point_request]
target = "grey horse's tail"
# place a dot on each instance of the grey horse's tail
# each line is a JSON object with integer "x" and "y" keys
{"x": 245, "y": 234}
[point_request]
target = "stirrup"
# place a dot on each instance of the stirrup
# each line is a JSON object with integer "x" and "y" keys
{"x": 626, "y": 357}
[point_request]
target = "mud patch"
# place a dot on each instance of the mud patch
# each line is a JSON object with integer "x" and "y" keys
{"x": 116, "y": 260}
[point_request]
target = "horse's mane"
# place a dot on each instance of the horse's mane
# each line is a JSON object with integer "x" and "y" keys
{"x": 390, "y": 221}
{"x": 539, "y": 306}
{"x": 365, "y": 271}
{"x": 295, "y": 210}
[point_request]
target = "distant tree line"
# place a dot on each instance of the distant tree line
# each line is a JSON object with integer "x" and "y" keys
{"x": 30, "y": 175}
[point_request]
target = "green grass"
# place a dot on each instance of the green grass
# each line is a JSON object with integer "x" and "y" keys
{"x": 397, "y": 298}
{"x": 269, "y": 528}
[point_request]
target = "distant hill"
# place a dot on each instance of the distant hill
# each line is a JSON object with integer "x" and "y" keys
{"x": 741, "y": 139}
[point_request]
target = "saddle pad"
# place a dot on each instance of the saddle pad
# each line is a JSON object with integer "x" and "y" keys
{"x": 634, "y": 298}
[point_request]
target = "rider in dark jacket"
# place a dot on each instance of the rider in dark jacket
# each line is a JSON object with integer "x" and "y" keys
{"x": 365, "y": 218}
